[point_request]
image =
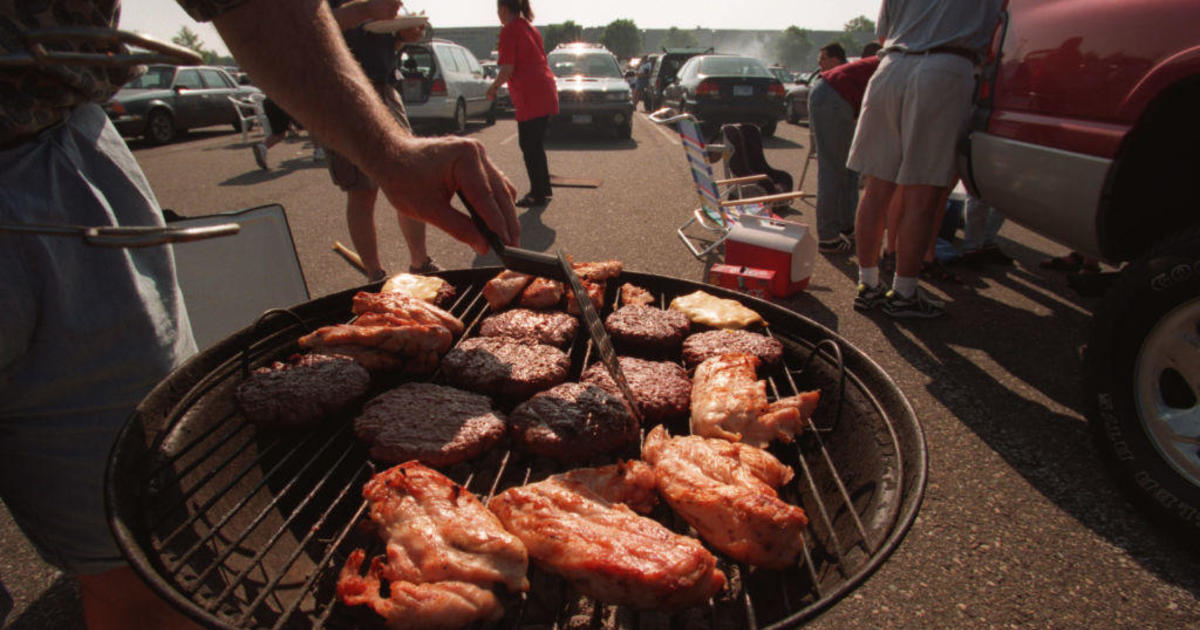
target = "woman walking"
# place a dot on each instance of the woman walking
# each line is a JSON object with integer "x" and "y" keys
{"x": 533, "y": 89}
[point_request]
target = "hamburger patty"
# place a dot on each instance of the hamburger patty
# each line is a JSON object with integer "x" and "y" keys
{"x": 647, "y": 330}
{"x": 436, "y": 424}
{"x": 303, "y": 391}
{"x": 714, "y": 343}
{"x": 500, "y": 366}
{"x": 572, "y": 422}
{"x": 555, "y": 328}
{"x": 662, "y": 389}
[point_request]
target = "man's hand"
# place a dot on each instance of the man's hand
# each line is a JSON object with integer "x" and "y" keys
{"x": 432, "y": 170}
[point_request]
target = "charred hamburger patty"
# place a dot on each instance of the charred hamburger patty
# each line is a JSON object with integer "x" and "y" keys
{"x": 500, "y": 366}
{"x": 714, "y": 343}
{"x": 436, "y": 424}
{"x": 572, "y": 422}
{"x": 555, "y": 328}
{"x": 303, "y": 391}
{"x": 662, "y": 389}
{"x": 647, "y": 330}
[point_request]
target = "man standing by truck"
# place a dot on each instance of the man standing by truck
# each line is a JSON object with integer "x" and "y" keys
{"x": 913, "y": 111}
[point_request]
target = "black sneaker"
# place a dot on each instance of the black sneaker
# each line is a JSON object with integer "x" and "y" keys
{"x": 868, "y": 297}
{"x": 428, "y": 267}
{"x": 840, "y": 245}
{"x": 920, "y": 305}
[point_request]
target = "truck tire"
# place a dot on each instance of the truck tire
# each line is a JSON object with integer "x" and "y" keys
{"x": 1142, "y": 380}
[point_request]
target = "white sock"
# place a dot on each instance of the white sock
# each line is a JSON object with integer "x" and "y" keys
{"x": 868, "y": 276}
{"x": 904, "y": 287}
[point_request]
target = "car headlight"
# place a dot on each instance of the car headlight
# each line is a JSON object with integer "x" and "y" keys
{"x": 619, "y": 96}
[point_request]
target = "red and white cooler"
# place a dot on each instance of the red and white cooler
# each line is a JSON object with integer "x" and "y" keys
{"x": 785, "y": 247}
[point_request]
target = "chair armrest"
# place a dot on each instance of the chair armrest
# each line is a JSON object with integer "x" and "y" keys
{"x": 733, "y": 181}
{"x": 795, "y": 194}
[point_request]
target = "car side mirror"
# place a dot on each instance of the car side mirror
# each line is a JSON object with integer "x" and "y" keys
{"x": 244, "y": 80}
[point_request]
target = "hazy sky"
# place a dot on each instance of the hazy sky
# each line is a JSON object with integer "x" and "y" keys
{"x": 162, "y": 18}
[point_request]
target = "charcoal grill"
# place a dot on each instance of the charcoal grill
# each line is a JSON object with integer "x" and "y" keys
{"x": 245, "y": 528}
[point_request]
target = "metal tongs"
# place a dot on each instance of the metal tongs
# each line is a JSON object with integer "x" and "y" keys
{"x": 559, "y": 268}
{"x": 138, "y": 236}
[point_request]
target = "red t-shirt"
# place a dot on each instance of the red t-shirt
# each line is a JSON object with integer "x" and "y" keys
{"x": 849, "y": 80}
{"x": 532, "y": 87}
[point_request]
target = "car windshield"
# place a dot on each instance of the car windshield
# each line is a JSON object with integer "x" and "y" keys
{"x": 154, "y": 79}
{"x": 782, "y": 75}
{"x": 597, "y": 65}
{"x": 734, "y": 66}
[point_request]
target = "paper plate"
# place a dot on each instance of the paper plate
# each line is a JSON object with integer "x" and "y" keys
{"x": 397, "y": 24}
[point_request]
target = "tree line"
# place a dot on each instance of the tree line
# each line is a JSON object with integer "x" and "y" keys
{"x": 793, "y": 47}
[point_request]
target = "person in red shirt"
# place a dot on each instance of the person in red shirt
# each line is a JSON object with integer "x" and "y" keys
{"x": 533, "y": 90}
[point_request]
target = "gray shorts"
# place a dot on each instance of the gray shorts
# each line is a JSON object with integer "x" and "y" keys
{"x": 913, "y": 114}
{"x": 344, "y": 173}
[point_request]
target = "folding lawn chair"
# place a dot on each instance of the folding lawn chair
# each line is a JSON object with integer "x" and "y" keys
{"x": 718, "y": 213}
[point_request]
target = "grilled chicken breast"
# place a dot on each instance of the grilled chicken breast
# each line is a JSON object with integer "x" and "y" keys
{"x": 501, "y": 290}
{"x": 406, "y": 307}
{"x": 582, "y": 525}
{"x": 726, "y": 490}
{"x": 729, "y": 402}
{"x": 445, "y": 551}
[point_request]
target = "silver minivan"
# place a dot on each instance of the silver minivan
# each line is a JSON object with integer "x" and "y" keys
{"x": 442, "y": 82}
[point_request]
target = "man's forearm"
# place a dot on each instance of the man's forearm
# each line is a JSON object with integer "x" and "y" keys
{"x": 317, "y": 81}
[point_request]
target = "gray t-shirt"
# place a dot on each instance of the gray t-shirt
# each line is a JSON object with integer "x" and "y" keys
{"x": 918, "y": 25}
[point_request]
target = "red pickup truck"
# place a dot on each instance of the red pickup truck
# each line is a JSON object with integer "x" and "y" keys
{"x": 1087, "y": 130}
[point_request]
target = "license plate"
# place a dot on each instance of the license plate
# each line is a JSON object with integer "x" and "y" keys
{"x": 743, "y": 90}
{"x": 581, "y": 119}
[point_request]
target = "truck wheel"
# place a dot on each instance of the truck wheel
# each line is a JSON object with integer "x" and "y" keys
{"x": 160, "y": 128}
{"x": 1142, "y": 380}
{"x": 624, "y": 131}
{"x": 768, "y": 129}
{"x": 490, "y": 117}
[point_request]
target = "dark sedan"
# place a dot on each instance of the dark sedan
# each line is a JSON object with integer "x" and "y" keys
{"x": 171, "y": 99}
{"x": 720, "y": 89}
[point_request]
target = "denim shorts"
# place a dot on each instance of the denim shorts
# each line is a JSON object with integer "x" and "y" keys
{"x": 86, "y": 332}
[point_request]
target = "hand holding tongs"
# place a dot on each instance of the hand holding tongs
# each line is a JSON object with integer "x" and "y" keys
{"x": 139, "y": 236}
{"x": 559, "y": 268}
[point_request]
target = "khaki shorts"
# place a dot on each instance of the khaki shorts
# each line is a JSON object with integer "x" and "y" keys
{"x": 344, "y": 173}
{"x": 913, "y": 114}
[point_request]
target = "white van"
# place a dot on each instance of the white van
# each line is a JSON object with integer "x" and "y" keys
{"x": 441, "y": 82}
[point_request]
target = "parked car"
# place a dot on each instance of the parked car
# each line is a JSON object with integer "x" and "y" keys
{"x": 591, "y": 90}
{"x": 1085, "y": 132}
{"x": 168, "y": 100}
{"x": 664, "y": 73}
{"x": 719, "y": 89}
{"x": 796, "y": 101}
{"x": 442, "y": 83}
{"x": 503, "y": 102}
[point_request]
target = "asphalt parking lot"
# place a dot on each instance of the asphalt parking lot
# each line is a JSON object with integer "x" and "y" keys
{"x": 1019, "y": 527}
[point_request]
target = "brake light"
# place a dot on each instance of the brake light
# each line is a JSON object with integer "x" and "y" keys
{"x": 708, "y": 88}
{"x": 438, "y": 88}
{"x": 776, "y": 90}
{"x": 117, "y": 108}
